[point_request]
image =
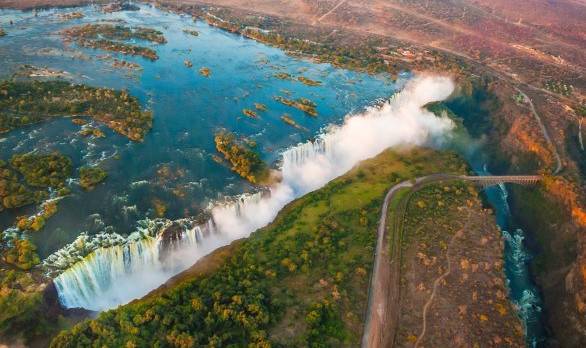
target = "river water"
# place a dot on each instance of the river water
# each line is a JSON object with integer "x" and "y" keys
{"x": 188, "y": 108}
{"x": 522, "y": 289}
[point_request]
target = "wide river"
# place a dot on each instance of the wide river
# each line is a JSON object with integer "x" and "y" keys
{"x": 188, "y": 109}
{"x": 174, "y": 165}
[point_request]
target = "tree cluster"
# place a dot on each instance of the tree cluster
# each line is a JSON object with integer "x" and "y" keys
{"x": 89, "y": 177}
{"x": 27, "y": 102}
{"x": 243, "y": 159}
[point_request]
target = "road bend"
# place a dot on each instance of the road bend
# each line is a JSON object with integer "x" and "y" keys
{"x": 382, "y": 314}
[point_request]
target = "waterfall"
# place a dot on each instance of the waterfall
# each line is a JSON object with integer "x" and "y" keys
{"x": 197, "y": 234}
{"x": 107, "y": 278}
{"x": 92, "y": 265}
{"x": 81, "y": 285}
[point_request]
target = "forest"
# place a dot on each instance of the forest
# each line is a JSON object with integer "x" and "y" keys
{"x": 26, "y": 179}
{"x": 89, "y": 177}
{"x": 111, "y": 38}
{"x": 27, "y": 102}
{"x": 116, "y": 32}
{"x": 301, "y": 281}
{"x": 242, "y": 158}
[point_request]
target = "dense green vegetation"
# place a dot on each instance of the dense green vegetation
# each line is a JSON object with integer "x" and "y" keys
{"x": 27, "y": 102}
{"x": 301, "y": 281}
{"x": 243, "y": 159}
{"x": 116, "y": 32}
{"x": 120, "y": 47}
{"x": 13, "y": 194}
{"x": 89, "y": 177}
{"x": 39, "y": 171}
{"x": 49, "y": 170}
{"x": 27, "y": 179}
{"x": 96, "y": 132}
{"x": 22, "y": 309}
{"x": 110, "y": 37}
{"x": 22, "y": 254}
{"x": 37, "y": 222}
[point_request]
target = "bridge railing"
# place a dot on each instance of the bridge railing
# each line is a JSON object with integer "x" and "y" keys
{"x": 502, "y": 179}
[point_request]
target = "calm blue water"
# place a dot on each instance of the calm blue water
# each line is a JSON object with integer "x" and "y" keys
{"x": 188, "y": 108}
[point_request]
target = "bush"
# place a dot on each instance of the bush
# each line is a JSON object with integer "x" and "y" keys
{"x": 89, "y": 177}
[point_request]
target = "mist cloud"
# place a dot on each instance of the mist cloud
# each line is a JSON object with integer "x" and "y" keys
{"x": 117, "y": 277}
{"x": 402, "y": 120}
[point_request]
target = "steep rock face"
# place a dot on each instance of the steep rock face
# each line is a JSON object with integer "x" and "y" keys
{"x": 170, "y": 237}
{"x": 554, "y": 222}
{"x": 560, "y": 249}
{"x": 54, "y": 308}
{"x": 553, "y": 215}
{"x": 300, "y": 281}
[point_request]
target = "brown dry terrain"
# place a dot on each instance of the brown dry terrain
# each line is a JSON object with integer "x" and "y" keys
{"x": 533, "y": 47}
{"x": 453, "y": 291}
{"x": 524, "y": 40}
{"x": 530, "y": 55}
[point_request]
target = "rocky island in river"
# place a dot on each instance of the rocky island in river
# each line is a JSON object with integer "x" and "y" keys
{"x": 165, "y": 178}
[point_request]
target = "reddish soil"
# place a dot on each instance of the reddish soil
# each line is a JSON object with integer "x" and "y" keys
{"x": 453, "y": 291}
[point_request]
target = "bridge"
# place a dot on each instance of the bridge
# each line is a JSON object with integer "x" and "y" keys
{"x": 502, "y": 179}
{"x": 382, "y": 314}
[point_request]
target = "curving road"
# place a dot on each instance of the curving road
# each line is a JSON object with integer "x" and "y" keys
{"x": 546, "y": 136}
{"x": 382, "y": 313}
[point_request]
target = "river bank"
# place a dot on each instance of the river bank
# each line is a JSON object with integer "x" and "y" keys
{"x": 523, "y": 151}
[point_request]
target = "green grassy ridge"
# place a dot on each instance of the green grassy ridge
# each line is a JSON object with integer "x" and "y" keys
{"x": 301, "y": 281}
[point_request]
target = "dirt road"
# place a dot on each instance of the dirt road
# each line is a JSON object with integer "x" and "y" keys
{"x": 383, "y": 297}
